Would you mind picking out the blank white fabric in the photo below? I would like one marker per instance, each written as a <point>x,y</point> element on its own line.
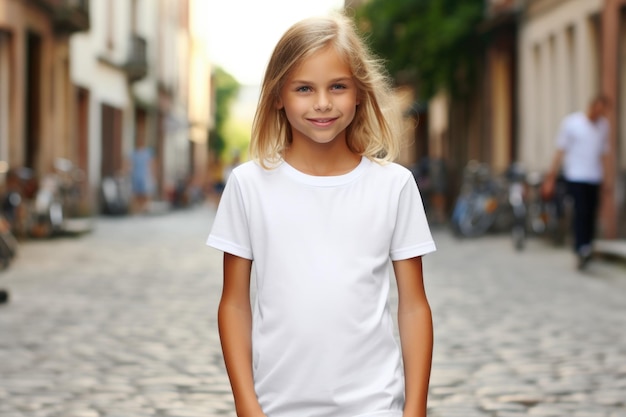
<point>323,343</point>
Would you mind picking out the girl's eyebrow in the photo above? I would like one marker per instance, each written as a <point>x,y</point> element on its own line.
<point>335,80</point>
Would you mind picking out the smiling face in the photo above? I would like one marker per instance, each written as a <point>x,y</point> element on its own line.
<point>319,98</point>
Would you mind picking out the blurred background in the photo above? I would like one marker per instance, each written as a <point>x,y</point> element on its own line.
<point>120,121</point>
<point>86,83</point>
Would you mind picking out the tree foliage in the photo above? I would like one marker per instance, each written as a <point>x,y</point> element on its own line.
<point>226,89</point>
<point>430,44</point>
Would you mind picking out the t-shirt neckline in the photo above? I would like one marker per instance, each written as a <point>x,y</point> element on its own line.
<point>325,181</point>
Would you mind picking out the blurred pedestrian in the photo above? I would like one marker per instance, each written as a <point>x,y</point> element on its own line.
<point>142,176</point>
<point>319,213</point>
<point>582,155</point>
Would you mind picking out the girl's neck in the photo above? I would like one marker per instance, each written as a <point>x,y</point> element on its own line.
<point>329,160</point>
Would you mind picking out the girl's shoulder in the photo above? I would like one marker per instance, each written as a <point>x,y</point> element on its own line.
<point>251,170</point>
<point>391,170</point>
<point>389,175</point>
<point>244,167</point>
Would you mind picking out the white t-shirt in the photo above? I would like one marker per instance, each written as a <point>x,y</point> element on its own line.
<point>323,339</point>
<point>584,143</point>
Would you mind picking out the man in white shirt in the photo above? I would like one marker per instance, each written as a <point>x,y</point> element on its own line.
<point>582,154</point>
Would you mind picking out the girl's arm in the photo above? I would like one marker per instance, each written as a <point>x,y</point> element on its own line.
<point>235,328</point>
<point>416,334</point>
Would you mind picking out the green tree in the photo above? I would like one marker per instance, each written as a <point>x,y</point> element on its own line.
<point>430,44</point>
<point>226,89</point>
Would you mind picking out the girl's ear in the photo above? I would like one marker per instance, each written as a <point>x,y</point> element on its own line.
<point>279,104</point>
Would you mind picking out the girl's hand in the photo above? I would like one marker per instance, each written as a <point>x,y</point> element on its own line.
<point>259,414</point>
<point>410,414</point>
<point>255,412</point>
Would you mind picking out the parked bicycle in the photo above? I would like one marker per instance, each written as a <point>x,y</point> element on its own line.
<point>57,202</point>
<point>490,202</point>
<point>548,215</point>
<point>116,194</point>
<point>479,201</point>
<point>516,186</point>
<point>19,190</point>
<point>8,243</point>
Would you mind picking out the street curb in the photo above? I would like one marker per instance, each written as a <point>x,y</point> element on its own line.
<point>611,248</point>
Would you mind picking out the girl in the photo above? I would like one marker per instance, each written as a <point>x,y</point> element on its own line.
<point>317,215</point>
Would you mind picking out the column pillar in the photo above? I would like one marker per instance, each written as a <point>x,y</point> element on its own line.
<point>610,30</point>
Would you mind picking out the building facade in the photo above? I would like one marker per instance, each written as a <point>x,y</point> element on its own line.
<point>172,55</point>
<point>570,52</point>
<point>560,66</point>
<point>614,86</point>
<point>39,104</point>
<point>500,29</point>
<point>91,80</point>
<point>200,98</point>
<point>134,67</point>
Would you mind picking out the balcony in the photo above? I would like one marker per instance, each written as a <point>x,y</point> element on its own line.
<point>501,14</point>
<point>136,66</point>
<point>497,8</point>
<point>68,16</point>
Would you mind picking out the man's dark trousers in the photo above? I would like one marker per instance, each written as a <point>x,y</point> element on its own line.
<point>586,198</point>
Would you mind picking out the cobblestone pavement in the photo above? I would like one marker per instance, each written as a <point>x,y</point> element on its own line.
<point>122,323</point>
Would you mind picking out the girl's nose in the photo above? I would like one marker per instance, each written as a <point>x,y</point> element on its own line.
<point>323,103</point>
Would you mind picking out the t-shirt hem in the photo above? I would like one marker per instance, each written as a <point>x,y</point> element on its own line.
<point>388,413</point>
<point>413,251</point>
<point>229,247</point>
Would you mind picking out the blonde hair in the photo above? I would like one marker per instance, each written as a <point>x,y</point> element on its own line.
<point>374,131</point>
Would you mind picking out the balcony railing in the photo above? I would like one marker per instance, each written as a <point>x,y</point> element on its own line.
<point>136,65</point>
<point>68,16</point>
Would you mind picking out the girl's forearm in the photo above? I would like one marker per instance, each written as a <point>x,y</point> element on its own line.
<point>235,326</point>
<point>416,336</point>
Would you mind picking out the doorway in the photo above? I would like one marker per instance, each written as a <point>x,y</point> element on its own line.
<point>111,136</point>
<point>32,101</point>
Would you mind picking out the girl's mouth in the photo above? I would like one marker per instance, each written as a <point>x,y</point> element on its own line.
<point>322,122</point>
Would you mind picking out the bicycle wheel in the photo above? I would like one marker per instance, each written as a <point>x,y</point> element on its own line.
<point>479,216</point>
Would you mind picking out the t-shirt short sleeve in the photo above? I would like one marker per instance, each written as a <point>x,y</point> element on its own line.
<point>230,232</point>
<point>411,235</point>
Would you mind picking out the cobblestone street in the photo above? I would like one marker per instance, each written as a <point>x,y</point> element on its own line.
<point>122,323</point>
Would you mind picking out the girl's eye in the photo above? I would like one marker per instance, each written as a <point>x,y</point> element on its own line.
<point>338,87</point>
<point>303,89</point>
